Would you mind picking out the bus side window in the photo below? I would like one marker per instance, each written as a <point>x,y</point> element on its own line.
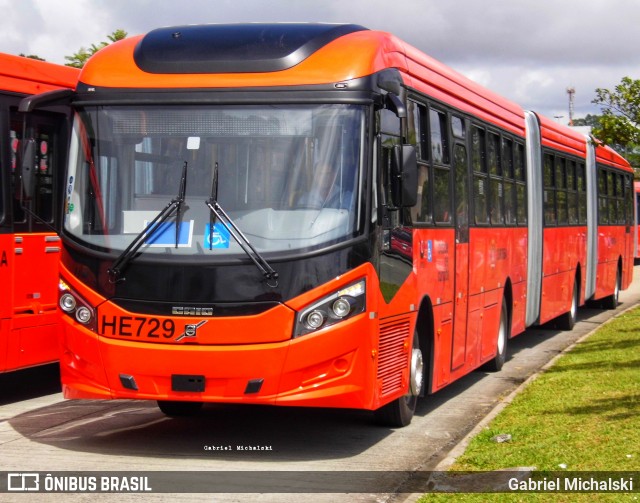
<point>41,203</point>
<point>509,182</point>
<point>629,199</point>
<point>603,215</point>
<point>582,193</point>
<point>521,185</point>
<point>572,192</point>
<point>549,191</point>
<point>439,137</point>
<point>496,188</point>
<point>561,190</point>
<point>480,179</point>
<point>418,135</point>
<point>441,173</point>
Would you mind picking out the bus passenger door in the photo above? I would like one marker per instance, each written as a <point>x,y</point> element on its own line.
<point>36,247</point>
<point>6,294</point>
<point>462,340</point>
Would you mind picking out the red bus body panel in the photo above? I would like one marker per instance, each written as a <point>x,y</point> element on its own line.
<point>29,324</point>
<point>636,212</point>
<point>29,76</point>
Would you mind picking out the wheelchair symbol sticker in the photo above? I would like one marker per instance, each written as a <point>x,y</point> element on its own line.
<point>219,238</point>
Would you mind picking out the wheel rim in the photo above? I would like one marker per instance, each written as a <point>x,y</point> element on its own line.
<point>417,371</point>
<point>574,302</point>
<point>502,336</point>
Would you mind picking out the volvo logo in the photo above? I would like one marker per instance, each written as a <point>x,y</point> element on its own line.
<point>192,311</point>
<point>190,330</point>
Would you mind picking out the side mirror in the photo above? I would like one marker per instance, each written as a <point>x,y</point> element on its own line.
<point>28,168</point>
<point>404,170</point>
<point>396,105</point>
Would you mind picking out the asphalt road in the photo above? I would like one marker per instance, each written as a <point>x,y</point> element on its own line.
<point>322,453</point>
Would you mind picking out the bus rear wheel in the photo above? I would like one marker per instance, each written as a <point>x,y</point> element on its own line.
<point>567,320</point>
<point>497,362</point>
<point>399,413</point>
<point>179,409</point>
<point>611,302</point>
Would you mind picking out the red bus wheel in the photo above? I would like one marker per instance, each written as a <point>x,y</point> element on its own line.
<point>567,320</point>
<point>497,362</point>
<point>399,413</point>
<point>611,302</point>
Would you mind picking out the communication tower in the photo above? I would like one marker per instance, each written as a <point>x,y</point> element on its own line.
<point>571,91</point>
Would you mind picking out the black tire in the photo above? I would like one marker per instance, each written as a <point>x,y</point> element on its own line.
<point>179,409</point>
<point>497,362</point>
<point>567,320</point>
<point>399,413</point>
<point>611,302</point>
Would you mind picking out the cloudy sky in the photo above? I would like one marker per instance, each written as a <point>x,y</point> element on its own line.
<point>530,51</point>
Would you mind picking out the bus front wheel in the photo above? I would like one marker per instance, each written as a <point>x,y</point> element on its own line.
<point>399,413</point>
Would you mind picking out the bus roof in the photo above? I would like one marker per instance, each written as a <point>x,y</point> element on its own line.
<point>218,56</point>
<point>201,58</point>
<point>274,55</point>
<point>560,137</point>
<point>30,76</point>
<point>606,155</point>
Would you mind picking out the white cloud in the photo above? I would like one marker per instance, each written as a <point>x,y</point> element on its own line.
<point>527,50</point>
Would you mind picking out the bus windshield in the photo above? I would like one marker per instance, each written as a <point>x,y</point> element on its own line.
<point>287,176</point>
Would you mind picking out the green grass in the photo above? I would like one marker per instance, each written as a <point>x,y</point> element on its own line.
<point>583,412</point>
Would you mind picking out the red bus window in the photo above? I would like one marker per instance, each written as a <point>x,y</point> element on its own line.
<point>439,137</point>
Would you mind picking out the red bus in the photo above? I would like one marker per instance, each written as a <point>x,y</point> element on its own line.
<point>316,215</point>
<point>636,246</point>
<point>29,248</point>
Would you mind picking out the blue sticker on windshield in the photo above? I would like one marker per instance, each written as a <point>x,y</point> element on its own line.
<point>219,238</point>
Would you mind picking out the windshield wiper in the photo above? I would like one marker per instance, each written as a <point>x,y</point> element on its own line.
<point>115,272</point>
<point>216,212</point>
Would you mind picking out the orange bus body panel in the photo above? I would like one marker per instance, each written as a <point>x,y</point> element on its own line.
<point>329,369</point>
<point>361,53</point>
<point>345,365</point>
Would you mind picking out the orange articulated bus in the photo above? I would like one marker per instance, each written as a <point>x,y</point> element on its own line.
<point>316,215</point>
<point>29,247</point>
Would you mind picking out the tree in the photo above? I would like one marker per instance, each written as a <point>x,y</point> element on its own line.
<point>619,124</point>
<point>79,59</point>
<point>592,121</point>
<point>32,56</point>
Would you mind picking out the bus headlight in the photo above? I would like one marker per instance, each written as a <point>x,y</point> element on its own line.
<point>314,319</point>
<point>67,303</point>
<point>72,304</point>
<point>83,315</point>
<point>332,309</point>
<point>341,307</point>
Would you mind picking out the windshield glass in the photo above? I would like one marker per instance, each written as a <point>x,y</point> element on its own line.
<point>288,177</point>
